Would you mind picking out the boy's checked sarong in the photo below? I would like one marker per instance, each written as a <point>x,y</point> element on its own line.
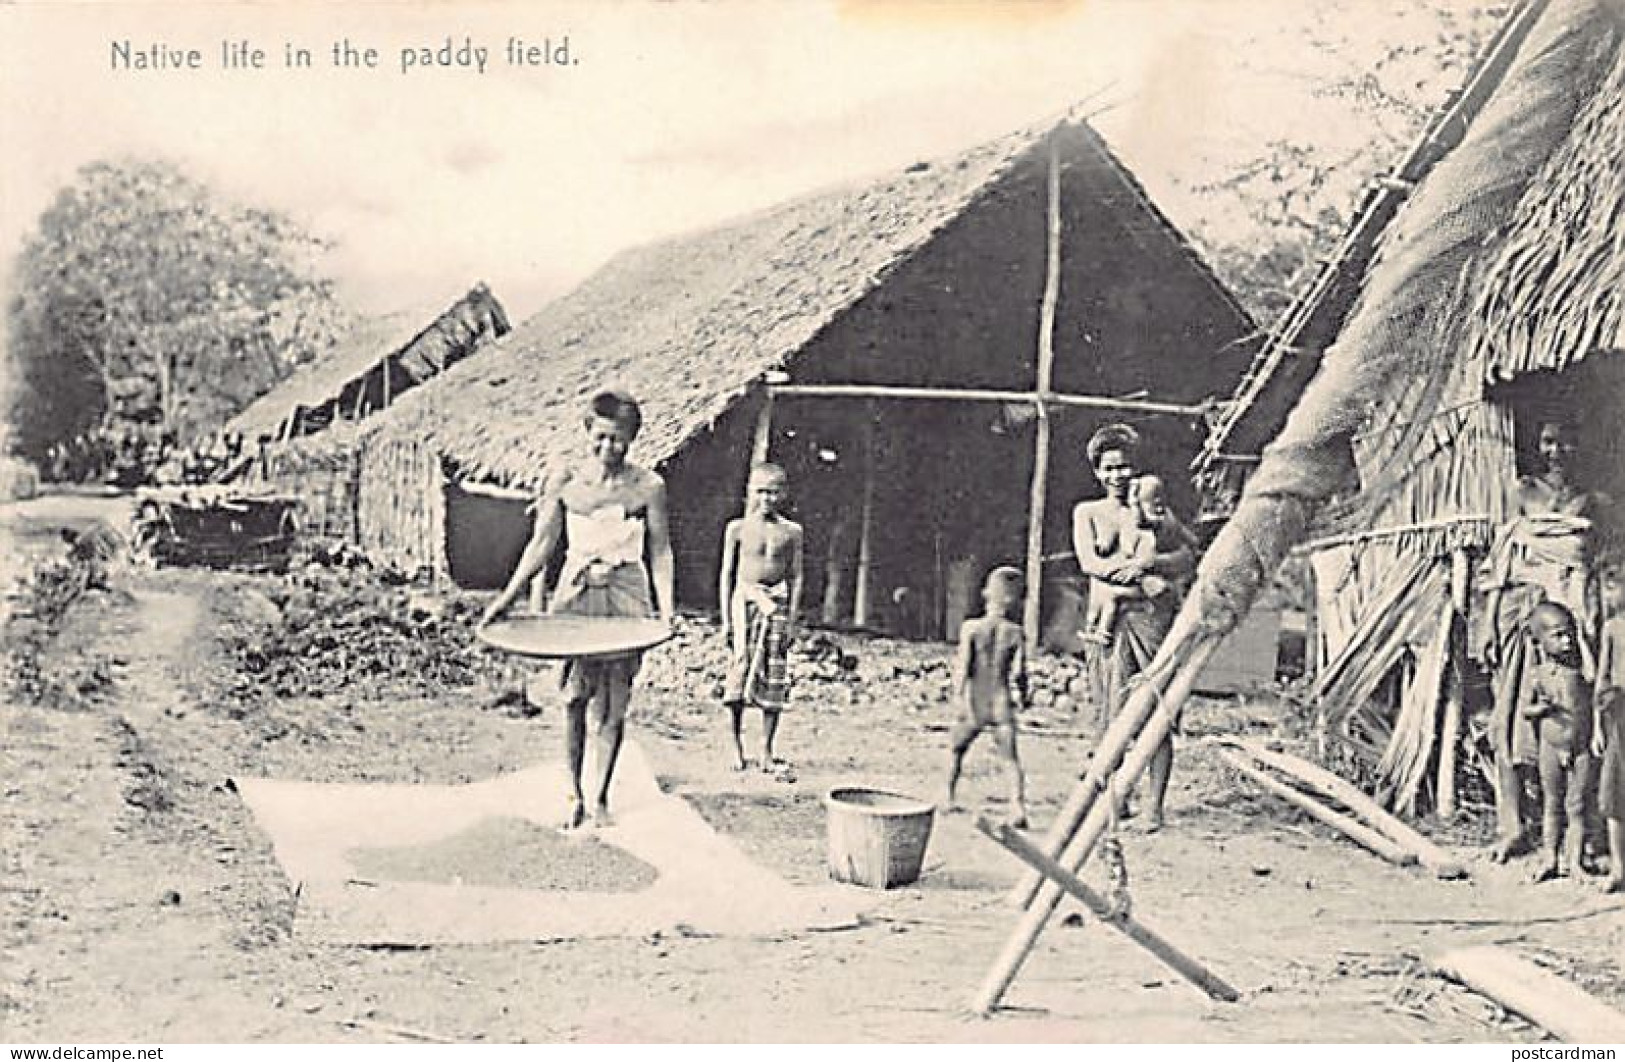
<point>759,672</point>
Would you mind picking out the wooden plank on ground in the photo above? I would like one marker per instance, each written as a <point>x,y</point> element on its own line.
<point>1561,1008</point>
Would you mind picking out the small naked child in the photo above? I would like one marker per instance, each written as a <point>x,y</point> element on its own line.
<point>1557,700</point>
<point>990,678</point>
<point>759,593</point>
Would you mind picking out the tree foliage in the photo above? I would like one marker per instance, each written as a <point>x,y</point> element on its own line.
<point>1362,89</point>
<point>142,297</point>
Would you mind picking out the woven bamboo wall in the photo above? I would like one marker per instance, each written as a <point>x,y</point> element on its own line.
<point>401,514</point>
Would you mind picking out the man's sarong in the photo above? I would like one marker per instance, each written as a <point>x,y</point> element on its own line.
<point>759,672</point>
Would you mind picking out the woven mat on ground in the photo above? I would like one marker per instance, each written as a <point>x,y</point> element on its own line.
<point>331,840</point>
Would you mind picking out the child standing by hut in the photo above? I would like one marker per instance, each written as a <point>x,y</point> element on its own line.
<point>990,678</point>
<point>759,593</point>
<point>1557,702</point>
<point>1608,736</point>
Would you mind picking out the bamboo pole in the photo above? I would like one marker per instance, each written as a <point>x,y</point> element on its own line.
<point>1347,264</point>
<point>1430,855</point>
<point>1383,846</point>
<point>863,592</point>
<point>1168,694</point>
<point>1143,935</point>
<point>762,443</point>
<point>1038,489</point>
<point>1450,738</point>
<point>970,394</point>
<point>1546,999</point>
<point>1104,760</point>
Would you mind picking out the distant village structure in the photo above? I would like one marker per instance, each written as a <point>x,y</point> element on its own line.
<point>306,431</point>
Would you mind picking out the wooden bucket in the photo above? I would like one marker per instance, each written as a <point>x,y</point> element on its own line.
<point>877,839</point>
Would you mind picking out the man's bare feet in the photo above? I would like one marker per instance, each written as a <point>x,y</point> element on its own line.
<point>601,818</point>
<point>574,816</point>
<point>1153,822</point>
<point>775,765</point>
<point>1547,871</point>
<point>739,762</point>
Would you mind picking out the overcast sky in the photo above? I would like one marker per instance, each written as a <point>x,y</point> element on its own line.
<point>675,115</point>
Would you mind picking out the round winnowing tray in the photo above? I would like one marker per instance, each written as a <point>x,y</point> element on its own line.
<point>568,637</point>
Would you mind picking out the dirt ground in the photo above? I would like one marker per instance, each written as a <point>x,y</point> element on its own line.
<point>142,903</point>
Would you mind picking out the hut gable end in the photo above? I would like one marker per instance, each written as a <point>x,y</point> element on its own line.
<point>691,323</point>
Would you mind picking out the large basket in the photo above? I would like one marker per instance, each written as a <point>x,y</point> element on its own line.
<point>877,839</point>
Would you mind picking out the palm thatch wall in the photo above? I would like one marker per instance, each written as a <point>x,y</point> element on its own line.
<point>931,277</point>
<point>1499,276</point>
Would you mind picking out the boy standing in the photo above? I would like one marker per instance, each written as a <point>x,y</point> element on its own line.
<point>759,593</point>
<point>1608,734</point>
<point>1557,700</point>
<point>990,678</point>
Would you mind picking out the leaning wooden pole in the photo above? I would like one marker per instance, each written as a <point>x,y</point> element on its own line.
<point>1142,934</point>
<point>1430,855</point>
<point>1187,654</point>
<point>1038,495</point>
<point>1103,763</point>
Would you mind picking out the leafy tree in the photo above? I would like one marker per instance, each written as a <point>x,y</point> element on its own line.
<point>1275,210</point>
<point>144,298</point>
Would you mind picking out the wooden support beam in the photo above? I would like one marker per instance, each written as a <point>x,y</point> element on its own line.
<point>863,592</point>
<point>971,394</point>
<point>1104,761</point>
<point>1557,1006</point>
<point>1142,934</point>
<point>1167,693</point>
<point>1038,488</point>
<point>1461,574</point>
<point>762,443</point>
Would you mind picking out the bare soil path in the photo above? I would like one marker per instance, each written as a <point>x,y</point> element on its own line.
<point>142,903</point>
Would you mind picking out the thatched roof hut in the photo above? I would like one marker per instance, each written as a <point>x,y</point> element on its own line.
<point>384,358</point>
<point>930,279</point>
<point>1491,303</point>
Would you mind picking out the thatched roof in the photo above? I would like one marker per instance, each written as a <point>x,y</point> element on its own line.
<point>1506,260</point>
<point>1392,393</point>
<point>1555,291</point>
<point>315,382</point>
<point>690,324</point>
<point>372,343</point>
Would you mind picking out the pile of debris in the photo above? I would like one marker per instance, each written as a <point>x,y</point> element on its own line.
<point>836,672</point>
<point>325,631</point>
